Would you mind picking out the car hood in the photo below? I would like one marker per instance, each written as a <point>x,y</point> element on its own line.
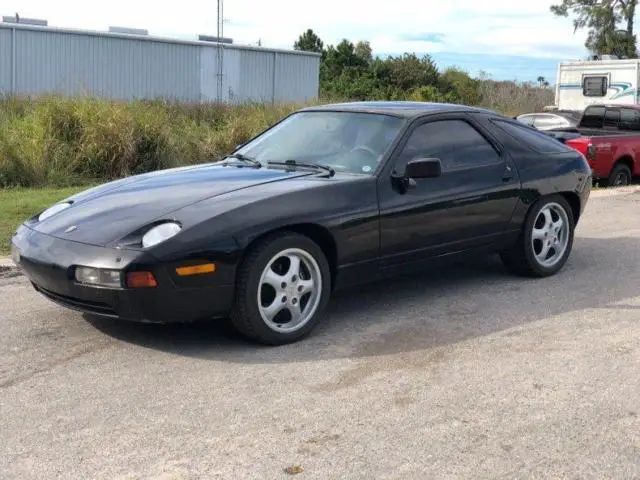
<point>111,211</point>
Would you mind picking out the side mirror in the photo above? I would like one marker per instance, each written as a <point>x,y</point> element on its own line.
<point>423,168</point>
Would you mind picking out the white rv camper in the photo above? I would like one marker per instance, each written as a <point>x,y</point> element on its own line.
<point>606,80</point>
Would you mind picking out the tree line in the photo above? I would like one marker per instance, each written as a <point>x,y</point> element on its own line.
<point>350,71</point>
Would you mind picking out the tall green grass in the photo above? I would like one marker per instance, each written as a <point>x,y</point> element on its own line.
<point>57,141</point>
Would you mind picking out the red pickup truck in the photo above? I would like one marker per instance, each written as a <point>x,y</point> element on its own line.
<point>609,137</point>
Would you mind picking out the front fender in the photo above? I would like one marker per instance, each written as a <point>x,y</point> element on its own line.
<point>347,208</point>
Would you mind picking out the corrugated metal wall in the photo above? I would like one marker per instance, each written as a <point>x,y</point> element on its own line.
<point>209,74</point>
<point>115,66</point>
<point>256,82</point>
<point>296,76</point>
<point>6,51</point>
<point>112,67</point>
<point>232,74</point>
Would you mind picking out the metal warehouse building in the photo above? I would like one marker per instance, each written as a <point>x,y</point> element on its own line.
<point>37,59</point>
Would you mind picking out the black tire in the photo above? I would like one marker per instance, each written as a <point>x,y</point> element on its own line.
<point>620,176</point>
<point>521,258</point>
<point>245,315</point>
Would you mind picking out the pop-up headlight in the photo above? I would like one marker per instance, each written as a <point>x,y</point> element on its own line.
<point>49,212</point>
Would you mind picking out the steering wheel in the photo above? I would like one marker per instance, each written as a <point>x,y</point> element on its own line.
<point>365,165</point>
<point>365,148</point>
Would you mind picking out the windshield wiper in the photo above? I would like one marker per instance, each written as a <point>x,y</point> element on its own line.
<point>244,158</point>
<point>293,163</point>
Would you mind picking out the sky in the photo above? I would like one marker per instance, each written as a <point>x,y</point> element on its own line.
<point>509,39</point>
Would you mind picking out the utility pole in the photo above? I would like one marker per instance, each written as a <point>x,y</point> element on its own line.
<point>220,28</point>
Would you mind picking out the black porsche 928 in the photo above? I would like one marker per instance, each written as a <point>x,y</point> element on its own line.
<point>330,197</point>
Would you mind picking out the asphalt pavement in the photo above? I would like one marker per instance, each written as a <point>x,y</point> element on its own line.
<point>468,372</point>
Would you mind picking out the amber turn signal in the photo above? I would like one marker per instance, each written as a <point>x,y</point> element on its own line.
<point>196,269</point>
<point>141,280</point>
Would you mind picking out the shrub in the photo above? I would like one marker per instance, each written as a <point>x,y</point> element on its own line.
<point>67,141</point>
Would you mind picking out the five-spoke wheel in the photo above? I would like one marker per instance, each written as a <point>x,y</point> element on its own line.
<point>550,235</point>
<point>283,286</point>
<point>290,290</point>
<point>545,241</point>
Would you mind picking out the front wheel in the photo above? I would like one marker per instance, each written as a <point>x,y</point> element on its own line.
<point>546,240</point>
<point>283,288</point>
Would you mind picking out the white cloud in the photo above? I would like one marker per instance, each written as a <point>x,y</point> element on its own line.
<point>469,26</point>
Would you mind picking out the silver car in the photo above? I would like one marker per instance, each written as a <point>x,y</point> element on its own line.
<point>549,121</point>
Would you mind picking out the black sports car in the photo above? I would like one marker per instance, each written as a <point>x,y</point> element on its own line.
<point>330,197</point>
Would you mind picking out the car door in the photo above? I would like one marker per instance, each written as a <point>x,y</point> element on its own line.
<point>468,206</point>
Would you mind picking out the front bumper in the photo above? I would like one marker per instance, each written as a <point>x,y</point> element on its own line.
<point>49,262</point>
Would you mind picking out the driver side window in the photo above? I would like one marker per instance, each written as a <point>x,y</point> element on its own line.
<point>456,143</point>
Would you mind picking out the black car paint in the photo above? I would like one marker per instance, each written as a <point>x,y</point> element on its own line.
<point>367,227</point>
<point>106,215</point>
<point>462,210</point>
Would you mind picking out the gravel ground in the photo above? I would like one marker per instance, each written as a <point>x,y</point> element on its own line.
<point>471,374</point>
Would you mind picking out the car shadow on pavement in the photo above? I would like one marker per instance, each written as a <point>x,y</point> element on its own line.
<point>418,312</point>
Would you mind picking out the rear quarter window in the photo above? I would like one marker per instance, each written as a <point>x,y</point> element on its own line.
<point>532,138</point>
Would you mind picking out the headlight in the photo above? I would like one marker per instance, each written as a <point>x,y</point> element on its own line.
<point>53,210</point>
<point>159,234</point>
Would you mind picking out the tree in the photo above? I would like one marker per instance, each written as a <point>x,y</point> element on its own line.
<point>407,71</point>
<point>363,50</point>
<point>542,82</point>
<point>309,42</point>
<point>340,58</point>
<point>628,9</point>
<point>603,38</point>
<point>601,18</point>
<point>460,86</point>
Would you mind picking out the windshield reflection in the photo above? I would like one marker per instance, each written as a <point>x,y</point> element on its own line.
<point>345,141</point>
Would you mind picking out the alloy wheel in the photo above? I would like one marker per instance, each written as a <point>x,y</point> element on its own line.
<point>550,235</point>
<point>289,290</point>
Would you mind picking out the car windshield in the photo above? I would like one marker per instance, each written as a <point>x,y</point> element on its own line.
<point>345,141</point>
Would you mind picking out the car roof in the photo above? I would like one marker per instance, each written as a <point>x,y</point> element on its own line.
<point>404,109</point>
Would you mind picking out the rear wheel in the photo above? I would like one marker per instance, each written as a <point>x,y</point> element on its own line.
<point>283,288</point>
<point>546,240</point>
<point>620,176</point>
